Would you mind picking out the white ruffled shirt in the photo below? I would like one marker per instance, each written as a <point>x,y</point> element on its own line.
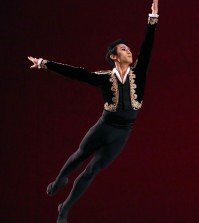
<point>118,75</point>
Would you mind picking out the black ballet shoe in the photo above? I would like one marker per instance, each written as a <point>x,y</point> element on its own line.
<point>62,217</point>
<point>53,187</point>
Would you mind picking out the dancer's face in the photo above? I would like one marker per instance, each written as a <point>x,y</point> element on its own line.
<point>124,55</point>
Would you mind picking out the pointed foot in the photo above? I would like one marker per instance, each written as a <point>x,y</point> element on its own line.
<point>54,186</point>
<point>62,217</point>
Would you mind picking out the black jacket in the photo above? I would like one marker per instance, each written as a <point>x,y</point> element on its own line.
<point>108,81</point>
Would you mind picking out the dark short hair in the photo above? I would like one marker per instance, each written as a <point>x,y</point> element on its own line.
<point>112,49</point>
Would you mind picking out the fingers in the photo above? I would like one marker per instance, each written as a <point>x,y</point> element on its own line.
<point>155,2</point>
<point>30,58</point>
<point>154,7</point>
<point>33,66</point>
<point>34,61</point>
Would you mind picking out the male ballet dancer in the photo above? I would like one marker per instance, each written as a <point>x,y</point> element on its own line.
<point>123,91</point>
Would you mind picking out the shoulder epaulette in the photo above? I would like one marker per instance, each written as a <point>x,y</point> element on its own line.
<point>103,72</point>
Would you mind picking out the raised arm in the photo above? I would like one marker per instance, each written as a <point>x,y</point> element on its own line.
<point>147,45</point>
<point>146,49</point>
<point>67,70</point>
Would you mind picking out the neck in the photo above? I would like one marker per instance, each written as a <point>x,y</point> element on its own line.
<point>122,68</point>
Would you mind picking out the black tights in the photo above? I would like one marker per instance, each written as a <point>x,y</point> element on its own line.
<point>106,142</point>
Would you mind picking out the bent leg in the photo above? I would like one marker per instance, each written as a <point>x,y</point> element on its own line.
<point>73,162</point>
<point>104,156</point>
<point>80,185</point>
<point>90,143</point>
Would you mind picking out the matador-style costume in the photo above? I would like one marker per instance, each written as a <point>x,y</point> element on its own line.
<point>107,138</point>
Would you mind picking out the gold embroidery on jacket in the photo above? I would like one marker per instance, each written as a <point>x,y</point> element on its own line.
<point>103,72</point>
<point>112,107</point>
<point>135,104</point>
<point>152,20</point>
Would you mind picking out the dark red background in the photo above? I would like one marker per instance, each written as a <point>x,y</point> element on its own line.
<point>44,116</point>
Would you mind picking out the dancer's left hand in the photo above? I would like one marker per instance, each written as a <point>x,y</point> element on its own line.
<point>35,62</point>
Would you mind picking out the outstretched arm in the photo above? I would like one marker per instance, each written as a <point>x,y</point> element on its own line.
<point>67,70</point>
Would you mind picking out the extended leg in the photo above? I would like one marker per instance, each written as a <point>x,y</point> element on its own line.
<point>74,161</point>
<point>89,144</point>
<point>101,160</point>
<point>80,185</point>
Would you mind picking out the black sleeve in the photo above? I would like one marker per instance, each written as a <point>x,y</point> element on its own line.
<point>141,67</point>
<point>72,72</point>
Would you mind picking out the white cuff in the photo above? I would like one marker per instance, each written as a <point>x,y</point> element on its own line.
<point>153,15</point>
<point>39,62</point>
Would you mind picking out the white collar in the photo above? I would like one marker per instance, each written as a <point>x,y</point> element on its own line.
<point>118,74</point>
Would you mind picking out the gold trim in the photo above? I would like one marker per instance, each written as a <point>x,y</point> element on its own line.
<point>152,20</point>
<point>103,72</point>
<point>43,64</point>
<point>112,107</point>
<point>135,104</point>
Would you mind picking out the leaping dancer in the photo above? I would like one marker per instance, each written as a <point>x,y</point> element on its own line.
<point>123,92</point>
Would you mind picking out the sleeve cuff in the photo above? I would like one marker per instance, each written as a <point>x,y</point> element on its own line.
<point>42,63</point>
<point>153,15</point>
<point>152,20</point>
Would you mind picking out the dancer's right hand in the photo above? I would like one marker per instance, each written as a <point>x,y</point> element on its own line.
<point>34,61</point>
<point>154,7</point>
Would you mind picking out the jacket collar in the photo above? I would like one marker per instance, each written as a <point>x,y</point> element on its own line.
<point>115,71</point>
